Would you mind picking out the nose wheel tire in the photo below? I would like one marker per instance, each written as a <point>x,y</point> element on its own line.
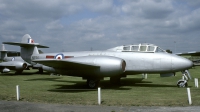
<point>182,83</point>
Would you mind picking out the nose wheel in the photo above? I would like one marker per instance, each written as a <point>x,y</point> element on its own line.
<point>182,83</point>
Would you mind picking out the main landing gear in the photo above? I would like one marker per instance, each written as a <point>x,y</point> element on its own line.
<point>92,83</point>
<point>183,82</point>
<point>18,72</point>
<point>115,80</point>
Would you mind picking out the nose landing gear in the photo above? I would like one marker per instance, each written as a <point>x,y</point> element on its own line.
<point>182,82</point>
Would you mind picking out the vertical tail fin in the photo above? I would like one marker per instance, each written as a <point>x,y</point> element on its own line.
<point>3,47</point>
<point>3,52</point>
<point>27,39</point>
<point>28,47</point>
<point>28,50</point>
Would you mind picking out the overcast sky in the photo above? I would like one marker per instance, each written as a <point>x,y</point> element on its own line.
<point>76,25</point>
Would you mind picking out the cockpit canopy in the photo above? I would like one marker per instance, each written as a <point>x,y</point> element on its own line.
<point>143,47</point>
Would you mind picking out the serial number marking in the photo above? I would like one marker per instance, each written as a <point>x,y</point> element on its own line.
<point>35,57</point>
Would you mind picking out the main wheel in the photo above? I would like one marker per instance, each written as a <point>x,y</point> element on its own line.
<point>40,70</point>
<point>18,72</point>
<point>115,80</point>
<point>182,83</point>
<point>92,83</point>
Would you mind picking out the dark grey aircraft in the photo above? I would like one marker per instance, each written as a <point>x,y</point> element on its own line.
<point>115,63</point>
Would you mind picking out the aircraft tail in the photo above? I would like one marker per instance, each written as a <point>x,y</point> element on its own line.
<point>3,52</point>
<point>28,47</point>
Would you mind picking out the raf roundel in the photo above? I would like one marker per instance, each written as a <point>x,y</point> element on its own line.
<point>13,59</point>
<point>59,56</point>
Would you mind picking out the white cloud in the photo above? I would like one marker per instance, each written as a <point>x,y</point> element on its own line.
<point>149,9</point>
<point>54,25</point>
<point>81,24</point>
<point>191,21</point>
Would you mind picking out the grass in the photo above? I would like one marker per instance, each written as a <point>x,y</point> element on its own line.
<point>154,91</point>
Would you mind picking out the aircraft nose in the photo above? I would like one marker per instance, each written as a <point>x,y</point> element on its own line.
<point>180,63</point>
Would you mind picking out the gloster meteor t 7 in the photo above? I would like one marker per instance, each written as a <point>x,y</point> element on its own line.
<point>11,63</point>
<point>15,63</point>
<point>115,63</point>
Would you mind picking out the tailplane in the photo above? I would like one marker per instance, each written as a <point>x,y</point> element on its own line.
<point>28,47</point>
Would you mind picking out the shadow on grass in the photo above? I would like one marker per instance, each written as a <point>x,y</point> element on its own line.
<point>77,87</point>
<point>46,79</point>
<point>54,79</point>
<point>126,84</point>
<point>26,72</point>
<point>135,82</point>
<point>80,87</point>
<point>13,74</point>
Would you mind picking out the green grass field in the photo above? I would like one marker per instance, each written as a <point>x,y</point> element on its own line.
<point>154,91</point>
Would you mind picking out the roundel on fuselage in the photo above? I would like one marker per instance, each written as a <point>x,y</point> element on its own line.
<point>59,56</point>
<point>13,59</point>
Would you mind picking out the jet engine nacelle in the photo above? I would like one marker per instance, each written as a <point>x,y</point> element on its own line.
<point>101,66</point>
<point>20,66</point>
<point>108,66</point>
<point>15,65</point>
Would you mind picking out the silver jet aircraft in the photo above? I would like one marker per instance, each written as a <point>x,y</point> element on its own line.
<point>115,63</point>
<point>11,63</point>
<point>15,63</point>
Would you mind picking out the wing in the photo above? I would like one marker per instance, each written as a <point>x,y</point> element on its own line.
<point>194,53</point>
<point>66,64</point>
<point>12,65</point>
<point>25,44</point>
<point>6,64</point>
<point>196,61</point>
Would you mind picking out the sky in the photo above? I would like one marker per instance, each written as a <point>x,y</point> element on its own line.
<point>82,25</point>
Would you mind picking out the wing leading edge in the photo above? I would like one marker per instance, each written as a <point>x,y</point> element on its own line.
<point>66,64</point>
<point>25,44</point>
<point>193,53</point>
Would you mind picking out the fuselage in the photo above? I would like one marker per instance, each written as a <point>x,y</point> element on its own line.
<point>136,62</point>
<point>16,58</point>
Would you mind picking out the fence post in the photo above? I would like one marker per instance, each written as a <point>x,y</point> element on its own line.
<point>99,95</point>
<point>196,82</point>
<point>189,96</point>
<point>18,93</point>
